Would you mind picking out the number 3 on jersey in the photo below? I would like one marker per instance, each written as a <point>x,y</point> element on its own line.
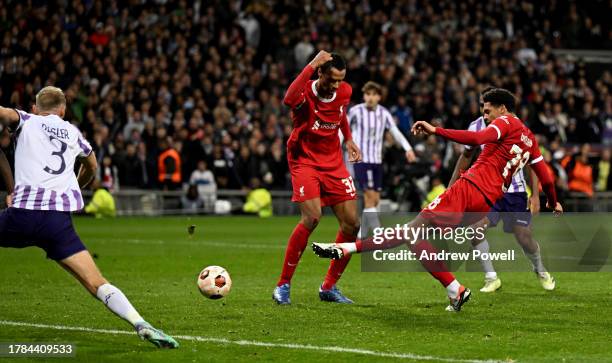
<point>350,185</point>
<point>59,154</point>
<point>521,157</point>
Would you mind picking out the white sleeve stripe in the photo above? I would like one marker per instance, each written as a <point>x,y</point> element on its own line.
<point>537,160</point>
<point>498,131</point>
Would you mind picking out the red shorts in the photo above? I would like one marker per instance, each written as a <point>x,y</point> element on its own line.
<point>461,204</point>
<point>332,186</point>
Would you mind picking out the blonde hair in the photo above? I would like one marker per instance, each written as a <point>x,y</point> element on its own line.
<point>50,98</point>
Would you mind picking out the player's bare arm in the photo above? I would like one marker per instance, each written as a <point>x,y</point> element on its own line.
<point>9,117</point>
<point>534,200</point>
<point>89,165</point>
<point>462,164</point>
<point>423,128</point>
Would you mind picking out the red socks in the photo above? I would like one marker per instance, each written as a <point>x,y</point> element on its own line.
<point>437,269</point>
<point>296,245</point>
<point>337,267</point>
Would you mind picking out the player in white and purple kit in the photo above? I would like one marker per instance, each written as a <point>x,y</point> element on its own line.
<point>369,121</point>
<point>514,209</point>
<point>47,190</point>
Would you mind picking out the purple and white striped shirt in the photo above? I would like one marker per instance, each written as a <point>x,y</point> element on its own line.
<point>46,150</point>
<point>368,128</point>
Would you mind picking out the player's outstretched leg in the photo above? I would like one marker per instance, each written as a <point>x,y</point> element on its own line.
<point>457,293</point>
<point>336,251</point>
<point>531,248</point>
<point>82,266</point>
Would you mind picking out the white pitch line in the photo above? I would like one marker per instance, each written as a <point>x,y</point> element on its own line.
<point>333,349</point>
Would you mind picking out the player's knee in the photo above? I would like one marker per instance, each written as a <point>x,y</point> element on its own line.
<point>350,226</point>
<point>311,220</point>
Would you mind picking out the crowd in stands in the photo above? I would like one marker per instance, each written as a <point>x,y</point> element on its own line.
<point>174,92</point>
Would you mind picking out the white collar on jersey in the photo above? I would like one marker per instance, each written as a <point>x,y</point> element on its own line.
<point>326,100</point>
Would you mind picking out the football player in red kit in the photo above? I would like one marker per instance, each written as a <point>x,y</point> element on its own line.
<point>318,174</point>
<point>510,145</point>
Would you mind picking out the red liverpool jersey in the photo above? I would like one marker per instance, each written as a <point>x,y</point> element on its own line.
<point>316,122</point>
<point>500,159</point>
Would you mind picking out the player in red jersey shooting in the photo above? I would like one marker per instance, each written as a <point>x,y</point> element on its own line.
<point>318,174</point>
<point>510,145</point>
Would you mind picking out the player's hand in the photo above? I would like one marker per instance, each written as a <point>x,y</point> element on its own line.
<point>410,156</point>
<point>557,211</point>
<point>423,128</point>
<point>534,204</point>
<point>354,153</point>
<point>9,200</point>
<point>320,59</point>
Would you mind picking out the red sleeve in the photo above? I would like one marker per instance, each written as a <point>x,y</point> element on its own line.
<point>489,134</point>
<point>295,93</point>
<point>344,124</point>
<point>547,180</point>
<point>345,128</point>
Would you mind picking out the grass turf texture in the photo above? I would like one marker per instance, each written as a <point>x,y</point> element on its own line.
<point>155,263</point>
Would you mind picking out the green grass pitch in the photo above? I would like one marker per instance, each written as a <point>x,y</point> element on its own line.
<point>155,263</point>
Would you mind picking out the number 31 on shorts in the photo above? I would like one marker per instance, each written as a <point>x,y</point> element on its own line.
<point>350,185</point>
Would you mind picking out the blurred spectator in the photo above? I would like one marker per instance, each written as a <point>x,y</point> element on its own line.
<point>191,201</point>
<point>258,201</point>
<point>204,180</point>
<point>437,188</point>
<point>102,204</point>
<point>580,172</point>
<point>131,168</point>
<point>169,167</point>
<point>208,77</point>
<point>108,175</point>
<point>602,173</point>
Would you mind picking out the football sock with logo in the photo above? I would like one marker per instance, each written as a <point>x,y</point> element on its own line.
<point>436,268</point>
<point>118,303</point>
<point>296,245</point>
<point>486,263</point>
<point>337,267</point>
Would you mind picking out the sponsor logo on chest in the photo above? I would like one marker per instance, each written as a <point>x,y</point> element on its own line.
<point>318,124</point>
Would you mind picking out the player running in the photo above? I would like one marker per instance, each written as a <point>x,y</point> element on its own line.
<point>509,146</point>
<point>318,174</point>
<point>46,191</point>
<point>369,121</point>
<point>513,209</point>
